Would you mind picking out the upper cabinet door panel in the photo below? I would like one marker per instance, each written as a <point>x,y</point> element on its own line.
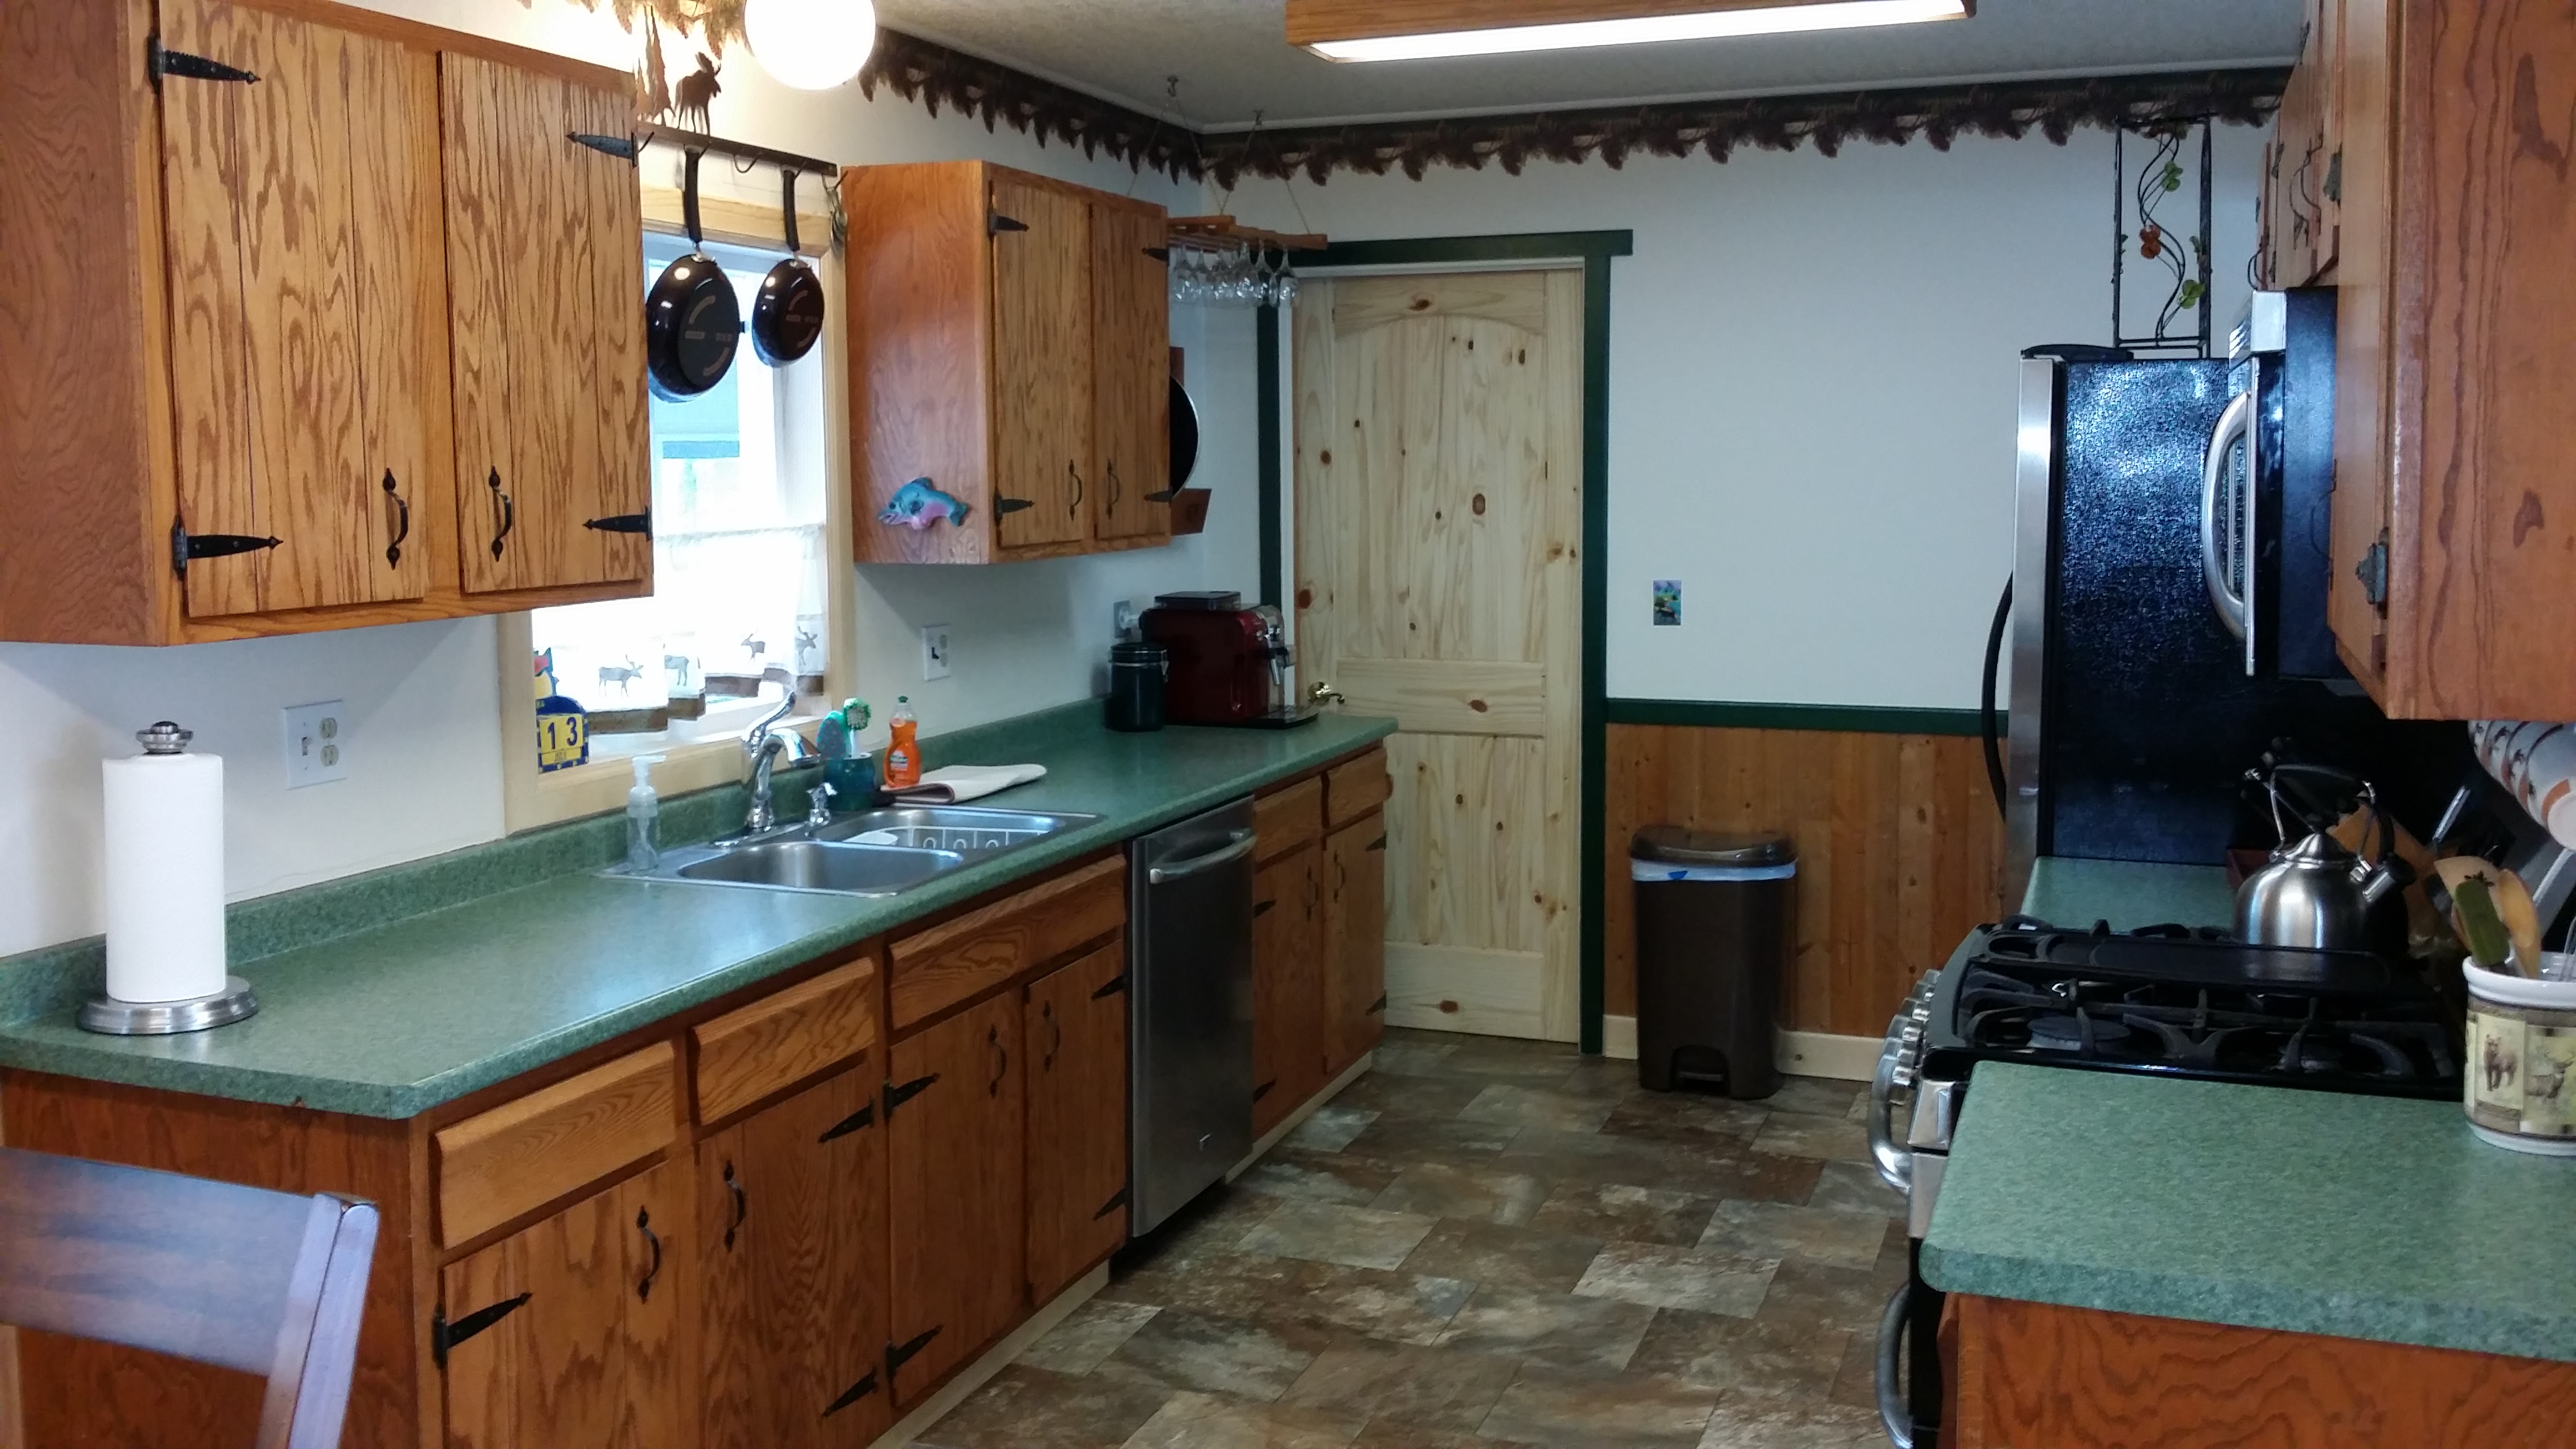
<point>1041,365</point>
<point>545,278</point>
<point>302,256</point>
<point>1131,371</point>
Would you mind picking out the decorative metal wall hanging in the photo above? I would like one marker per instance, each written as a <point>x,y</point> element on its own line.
<point>2177,263</point>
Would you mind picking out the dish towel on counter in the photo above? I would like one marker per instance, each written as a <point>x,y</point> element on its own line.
<point>956,784</point>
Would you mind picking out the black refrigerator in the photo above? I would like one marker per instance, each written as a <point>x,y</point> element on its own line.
<point>2167,625</point>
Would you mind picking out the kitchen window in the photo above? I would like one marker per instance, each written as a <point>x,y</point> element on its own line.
<point>742,596</point>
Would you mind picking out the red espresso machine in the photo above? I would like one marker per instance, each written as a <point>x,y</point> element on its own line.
<point>1229,663</point>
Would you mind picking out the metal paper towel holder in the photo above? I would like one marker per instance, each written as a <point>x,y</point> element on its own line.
<point>112,1017</point>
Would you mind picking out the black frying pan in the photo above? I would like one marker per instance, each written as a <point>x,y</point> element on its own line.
<point>692,323</point>
<point>1185,442</point>
<point>787,316</point>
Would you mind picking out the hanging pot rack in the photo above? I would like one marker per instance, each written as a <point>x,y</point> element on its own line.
<point>681,139</point>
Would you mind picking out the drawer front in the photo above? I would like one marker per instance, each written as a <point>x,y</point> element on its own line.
<point>780,1040</point>
<point>1355,788</point>
<point>982,949</point>
<point>1289,818</point>
<point>524,1154</point>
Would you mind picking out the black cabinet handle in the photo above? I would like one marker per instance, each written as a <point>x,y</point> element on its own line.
<point>741,1206</point>
<point>1115,488</point>
<point>644,1225</point>
<point>444,1335</point>
<point>1076,474</point>
<point>509,512</point>
<point>1055,1042</point>
<point>402,520</point>
<point>1001,1060</point>
<point>852,1394</point>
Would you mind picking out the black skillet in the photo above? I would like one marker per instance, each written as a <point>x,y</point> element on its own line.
<point>692,323</point>
<point>787,316</point>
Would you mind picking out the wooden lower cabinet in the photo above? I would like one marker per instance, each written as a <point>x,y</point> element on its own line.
<point>2050,1377</point>
<point>1288,1051</point>
<point>956,1179</point>
<point>1075,1025</point>
<point>1354,938</point>
<point>595,1350</point>
<point>792,1258</point>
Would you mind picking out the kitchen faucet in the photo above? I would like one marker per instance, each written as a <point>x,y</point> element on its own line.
<point>764,745</point>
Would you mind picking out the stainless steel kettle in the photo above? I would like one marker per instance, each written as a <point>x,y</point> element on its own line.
<point>2316,894</point>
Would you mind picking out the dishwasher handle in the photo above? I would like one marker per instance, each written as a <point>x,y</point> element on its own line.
<point>1236,848</point>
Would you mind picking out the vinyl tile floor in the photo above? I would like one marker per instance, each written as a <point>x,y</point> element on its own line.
<point>1486,1242</point>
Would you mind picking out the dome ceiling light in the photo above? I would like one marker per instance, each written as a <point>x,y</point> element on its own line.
<point>812,45</point>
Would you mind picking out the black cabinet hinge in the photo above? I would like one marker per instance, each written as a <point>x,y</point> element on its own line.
<point>1264,1089</point>
<point>2373,573</point>
<point>1378,1005</point>
<point>444,1335</point>
<point>623,523</point>
<point>1377,844</point>
<point>621,147</point>
<point>1160,254</point>
<point>159,61</point>
<point>896,1095</point>
<point>899,1354</point>
<point>1116,1201</point>
<point>1110,990</point>
<point>1162,495</point>
<point>1012,505</point>
<point>852,1394</point>
<point>1263,908</point>
<point>995,224</point>
<point>859,1120</point>
<point>185,546</point>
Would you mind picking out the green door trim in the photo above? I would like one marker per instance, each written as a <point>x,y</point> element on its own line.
<point>1593,249</point>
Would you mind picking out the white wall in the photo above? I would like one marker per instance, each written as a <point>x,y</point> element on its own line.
<point>425,772</point>
<point>1812,386</point>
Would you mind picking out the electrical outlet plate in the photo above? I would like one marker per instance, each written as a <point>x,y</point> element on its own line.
<point>934,651</point>
<point>317,744</point>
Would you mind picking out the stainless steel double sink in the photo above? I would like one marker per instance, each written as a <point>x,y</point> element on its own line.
<point>882,852</point>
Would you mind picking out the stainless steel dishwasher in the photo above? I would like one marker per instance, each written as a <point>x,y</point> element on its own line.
<point>1189,1040</point>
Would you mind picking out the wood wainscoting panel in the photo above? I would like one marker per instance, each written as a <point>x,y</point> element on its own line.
<point>1900,851</point>
<point>2042,1375</point>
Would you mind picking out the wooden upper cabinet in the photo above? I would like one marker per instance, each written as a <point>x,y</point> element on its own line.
<point>1132,345</point>
<point>571,1330</point>
<point>1074,1024</point>
<point>302,252</point>
<point>1000,328</point>
<point>2454,518</point>
<point>1042,383</point>
<point>546,284</point>
<point>252,335</point>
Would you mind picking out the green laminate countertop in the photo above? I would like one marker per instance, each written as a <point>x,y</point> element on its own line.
<point>2065,891</point>
<point>414,1007</point>
<point>2261,1207</point>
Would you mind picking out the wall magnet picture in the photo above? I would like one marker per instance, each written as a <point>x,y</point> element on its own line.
<point>1668,602</point>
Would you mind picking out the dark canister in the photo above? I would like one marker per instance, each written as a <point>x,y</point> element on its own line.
<point>1136,673</point>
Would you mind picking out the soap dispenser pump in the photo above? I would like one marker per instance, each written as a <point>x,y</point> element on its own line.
<point>643,809</point>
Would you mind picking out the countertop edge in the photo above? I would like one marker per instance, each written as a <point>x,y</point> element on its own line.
<point>2283,1310</point>
<point>880,917</point>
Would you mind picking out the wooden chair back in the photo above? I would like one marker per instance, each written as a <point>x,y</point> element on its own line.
<point>266,1282</point>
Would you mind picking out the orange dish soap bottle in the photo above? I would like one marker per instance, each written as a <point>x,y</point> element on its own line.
<point>903,752</point>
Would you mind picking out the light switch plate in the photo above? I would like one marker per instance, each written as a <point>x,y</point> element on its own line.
<point>934,651</point>
<point>317,744</point>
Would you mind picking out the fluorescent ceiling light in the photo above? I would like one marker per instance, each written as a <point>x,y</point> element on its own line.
<point>1644,29</point>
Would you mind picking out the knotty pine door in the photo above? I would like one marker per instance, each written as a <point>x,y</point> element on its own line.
<point>1042,382</point>
<point>1439,512</point>
<point>545,263</point>
<point>596,1355</point>
<point>1075,1022</point>
<point>793,1328</point>
<point>302,247</point>
<point>957,1181</point>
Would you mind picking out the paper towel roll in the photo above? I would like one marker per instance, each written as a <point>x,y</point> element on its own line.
<point>165,877</point>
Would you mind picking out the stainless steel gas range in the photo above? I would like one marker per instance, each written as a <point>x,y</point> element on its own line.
<point>2166,1001</point>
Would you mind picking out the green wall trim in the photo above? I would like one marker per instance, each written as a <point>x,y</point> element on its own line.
<point>1536,246</point>
<point>1840,718</point>
<point>1594,249</point>
<point>1265,344</point>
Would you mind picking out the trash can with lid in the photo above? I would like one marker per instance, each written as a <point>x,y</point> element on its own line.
<point>1713,937</point>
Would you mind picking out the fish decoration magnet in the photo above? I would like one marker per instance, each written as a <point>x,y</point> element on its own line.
<point>917,505</point>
